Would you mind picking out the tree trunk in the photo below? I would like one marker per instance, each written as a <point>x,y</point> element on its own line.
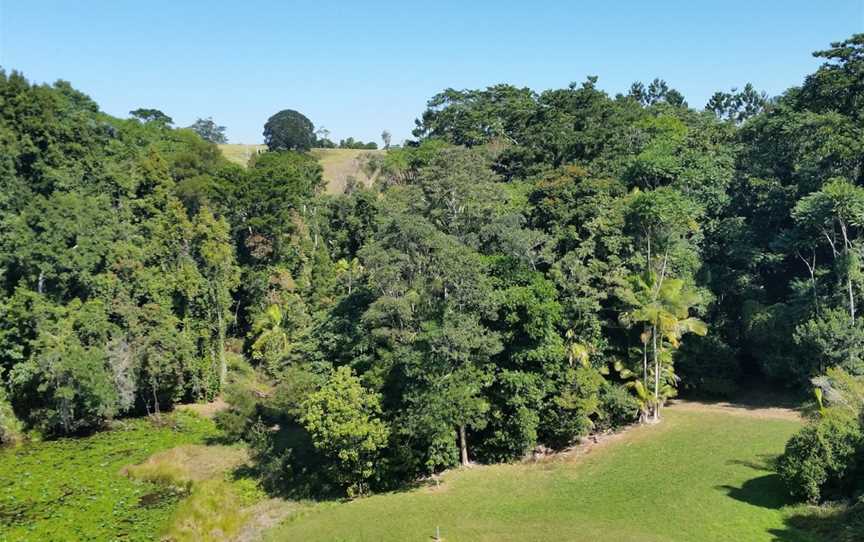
<point>645,365</point>
<point>656,414</point>
<point>851,300</point>
<point>223,363</point>
<point>463,446</point>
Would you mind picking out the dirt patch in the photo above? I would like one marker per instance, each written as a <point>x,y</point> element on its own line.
<point>205,410</point>
<point>265,515</point>
<point>762,412</point>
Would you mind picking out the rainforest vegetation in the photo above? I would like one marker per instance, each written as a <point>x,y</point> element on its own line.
<point>532,268</point>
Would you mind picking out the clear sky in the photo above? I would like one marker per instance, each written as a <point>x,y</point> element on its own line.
<point>357,68</point>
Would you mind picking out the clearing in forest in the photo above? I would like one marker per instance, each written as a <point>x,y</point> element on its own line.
<point>703,474</point>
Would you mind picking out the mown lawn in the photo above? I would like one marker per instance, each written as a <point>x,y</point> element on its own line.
<point>72,489</point>
<point>701,475</point>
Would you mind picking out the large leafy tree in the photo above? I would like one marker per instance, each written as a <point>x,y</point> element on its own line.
<point>343,419</point>
<point>289,130</point>
<point>209,130</point>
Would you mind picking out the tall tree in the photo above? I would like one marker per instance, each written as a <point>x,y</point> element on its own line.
<point>209,130</point>
<point>289,130</point>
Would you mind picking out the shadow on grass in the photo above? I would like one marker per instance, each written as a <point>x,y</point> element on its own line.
<point>763,462</point>
<point>764,491</point>
<point>831,523</point>
<point>756,395</point>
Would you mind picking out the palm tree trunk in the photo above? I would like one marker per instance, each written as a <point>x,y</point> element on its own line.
<point>645,364</point>
<point>656,414</point>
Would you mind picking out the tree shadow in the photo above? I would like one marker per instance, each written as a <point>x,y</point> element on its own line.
<point>765,491</point>
<point>763,462</point>
<point>755,395</point>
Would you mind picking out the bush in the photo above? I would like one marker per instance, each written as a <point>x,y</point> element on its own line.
<point>568,415</point>
<point>829,341</point>
<point>343,421</point>
<point>10,426</point>
<point>823,459</point>
<point>618,407</point>
<point>236,419</point>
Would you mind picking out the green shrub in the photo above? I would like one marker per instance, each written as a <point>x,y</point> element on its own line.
<point>10,426</point>
<point>821,460</point>
<point>513,417</point>
<point>235,420</point>
<point>568,415</point>
<point>618,407</point>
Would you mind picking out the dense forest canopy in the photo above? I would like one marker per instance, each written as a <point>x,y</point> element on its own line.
<point>534,267</point>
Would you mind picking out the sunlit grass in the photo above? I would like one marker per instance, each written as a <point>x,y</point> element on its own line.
<point>698,476</point>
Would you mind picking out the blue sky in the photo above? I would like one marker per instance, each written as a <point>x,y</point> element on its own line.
<point>357,68</point>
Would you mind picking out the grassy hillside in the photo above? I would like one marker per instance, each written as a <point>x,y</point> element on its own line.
<point>703,474</point>
<point>240,153</point>
<point>338,164</point>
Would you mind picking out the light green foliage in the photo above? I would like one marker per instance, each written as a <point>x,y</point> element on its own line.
<point>343,420</point>
<point>10,426</point>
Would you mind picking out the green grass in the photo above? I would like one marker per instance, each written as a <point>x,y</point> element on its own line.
<point>73,489</point>
<point>698,476</point>
<point>213,512</point>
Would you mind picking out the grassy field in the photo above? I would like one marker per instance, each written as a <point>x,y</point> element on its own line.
<point>76,489</point>
<point>702,475</point>
<point>240,153</point>
<point>338,164</point>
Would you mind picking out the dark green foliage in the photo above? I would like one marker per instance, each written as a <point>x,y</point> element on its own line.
<point>709,365</point>
<point>822,461</point>
<point>350,143</point>
<point>289,130</point>
<point>148,115</point>
<point>115,297</point>
<point>618,408</point>
<point>825,459</point>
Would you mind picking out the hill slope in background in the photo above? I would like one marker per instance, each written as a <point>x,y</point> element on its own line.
<point>339,164</point>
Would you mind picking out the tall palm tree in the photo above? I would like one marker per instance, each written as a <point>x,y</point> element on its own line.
<point>271,338</point>
<point>662,306</point>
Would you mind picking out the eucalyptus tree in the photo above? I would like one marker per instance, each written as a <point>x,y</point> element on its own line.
<point>835,215</point>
